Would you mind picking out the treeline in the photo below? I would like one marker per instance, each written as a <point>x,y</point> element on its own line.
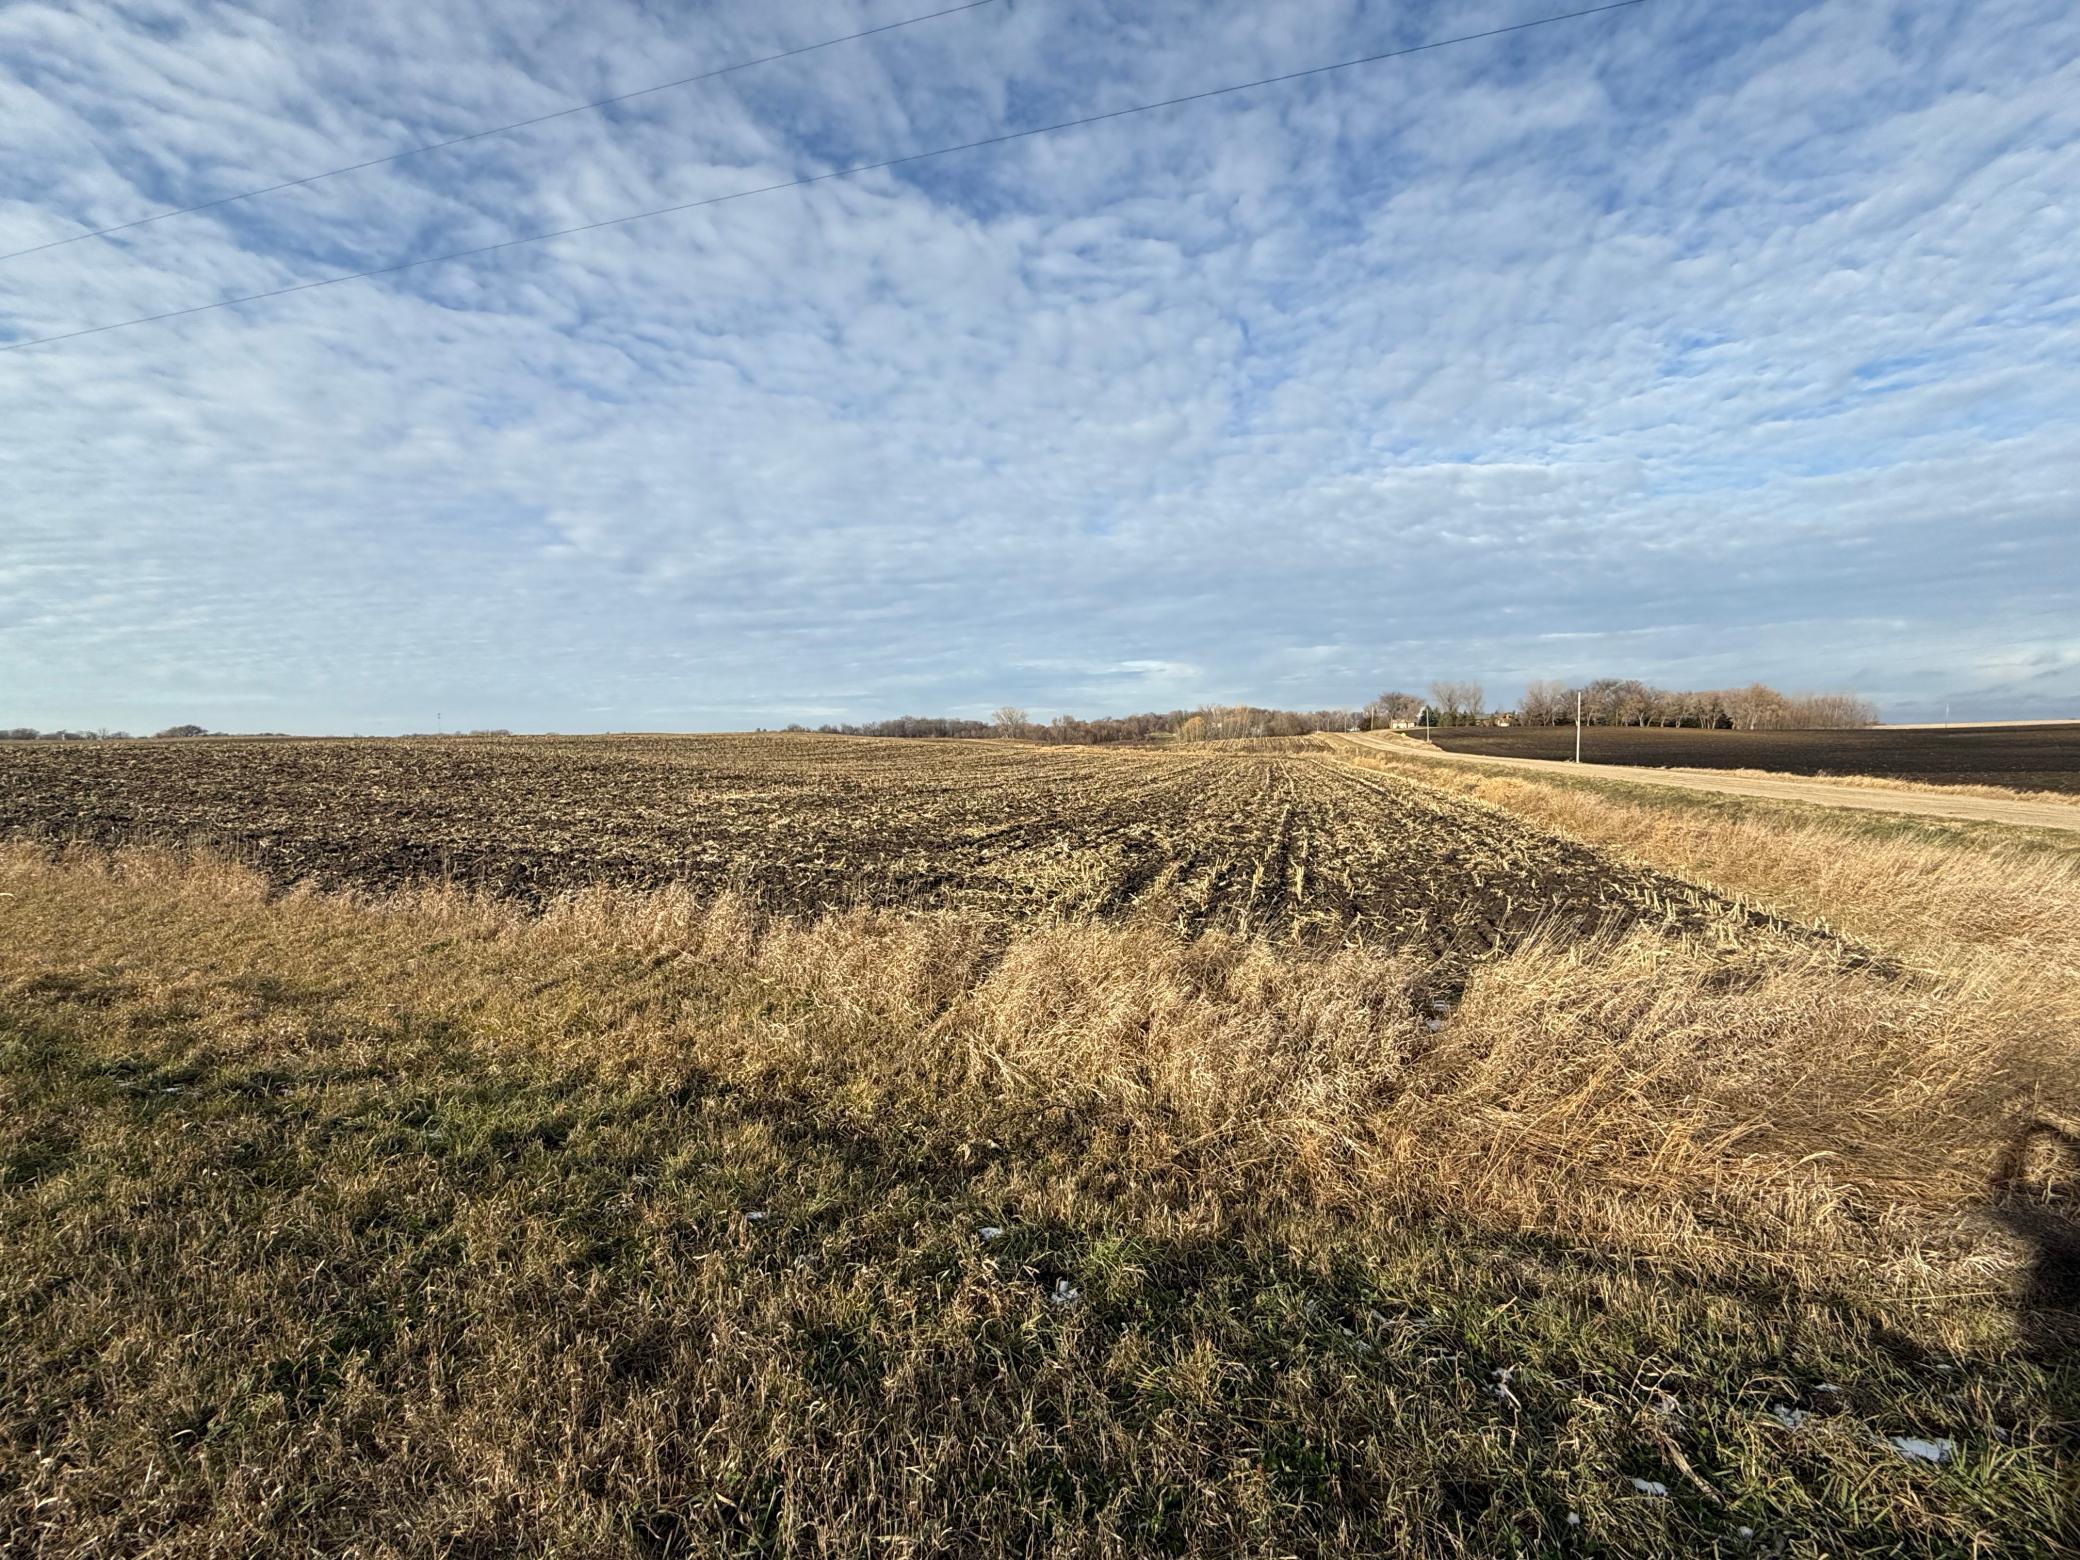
<point>100,735</point>
<point>904,726</point>
<point>103,734</point>
<point>1624,701</point>
<point>1606,701</point>
<point>1213,722</point>
<point>31,734</point>
<point>1205,724</point>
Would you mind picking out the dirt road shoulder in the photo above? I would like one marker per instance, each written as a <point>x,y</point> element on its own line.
<point>1792,788</point>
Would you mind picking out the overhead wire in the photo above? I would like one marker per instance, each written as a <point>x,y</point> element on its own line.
<point>491,130</point>
<point>805,180</point>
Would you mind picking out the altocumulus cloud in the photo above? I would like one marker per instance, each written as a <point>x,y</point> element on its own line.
<point>1690,342</point>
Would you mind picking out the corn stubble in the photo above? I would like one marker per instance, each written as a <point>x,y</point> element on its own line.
<point>651,1221</point>
<point>1281,842</point>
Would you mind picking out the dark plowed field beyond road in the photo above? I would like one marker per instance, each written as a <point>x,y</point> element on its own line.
<point>2022,758</point>
<point>1286,844</point>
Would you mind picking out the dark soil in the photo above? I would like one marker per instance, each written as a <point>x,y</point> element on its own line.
<point>1286,845</point>
<point>2022,758</point>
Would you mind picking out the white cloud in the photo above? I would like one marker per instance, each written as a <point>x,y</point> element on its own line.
<point>1737,342</point>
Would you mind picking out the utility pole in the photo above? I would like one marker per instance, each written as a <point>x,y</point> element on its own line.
<point>1578,725</point>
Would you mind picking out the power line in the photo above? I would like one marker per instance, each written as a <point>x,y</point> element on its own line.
<point>518,124</point>
<point>819,178</point>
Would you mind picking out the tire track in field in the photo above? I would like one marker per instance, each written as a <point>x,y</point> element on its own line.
<point>1519,879</point>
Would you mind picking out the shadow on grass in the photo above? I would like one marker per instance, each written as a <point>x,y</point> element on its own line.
<point>2036,1197</point>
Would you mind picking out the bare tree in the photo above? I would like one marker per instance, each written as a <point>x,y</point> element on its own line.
<point>1600,700</point>
<point>1458,703</point>
<point>1615,701</point>
<point>1546,703</point>
<point>1394,706</point>
<point>1010,721</point>
<point>1234,720</point>
<point>1634,699</point>
<point>1831,711</point>
<point>1756,707</point>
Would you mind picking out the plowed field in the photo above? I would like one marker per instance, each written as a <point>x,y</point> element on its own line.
<point>1287,844</point>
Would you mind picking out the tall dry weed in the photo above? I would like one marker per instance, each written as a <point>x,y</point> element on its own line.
<point>1619,1088</point>
<point>676,1211</point>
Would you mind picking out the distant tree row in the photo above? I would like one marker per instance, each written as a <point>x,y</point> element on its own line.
<point>1214,722</point>
<point>1607,701</point>
<point>907,726</point>
<point>1207,723</point>
<point>31,734</point>
<point>1623,701</point>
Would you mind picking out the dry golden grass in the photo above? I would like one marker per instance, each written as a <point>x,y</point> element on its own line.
<point>645,1226</point>
<point>1998,793</point>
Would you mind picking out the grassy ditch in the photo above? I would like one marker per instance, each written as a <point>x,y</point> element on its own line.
<point>644,1226</point>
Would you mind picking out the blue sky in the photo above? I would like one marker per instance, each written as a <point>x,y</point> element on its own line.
<point>1693,342</point>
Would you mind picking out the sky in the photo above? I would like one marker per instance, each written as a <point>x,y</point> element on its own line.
<point>1689,342</point>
